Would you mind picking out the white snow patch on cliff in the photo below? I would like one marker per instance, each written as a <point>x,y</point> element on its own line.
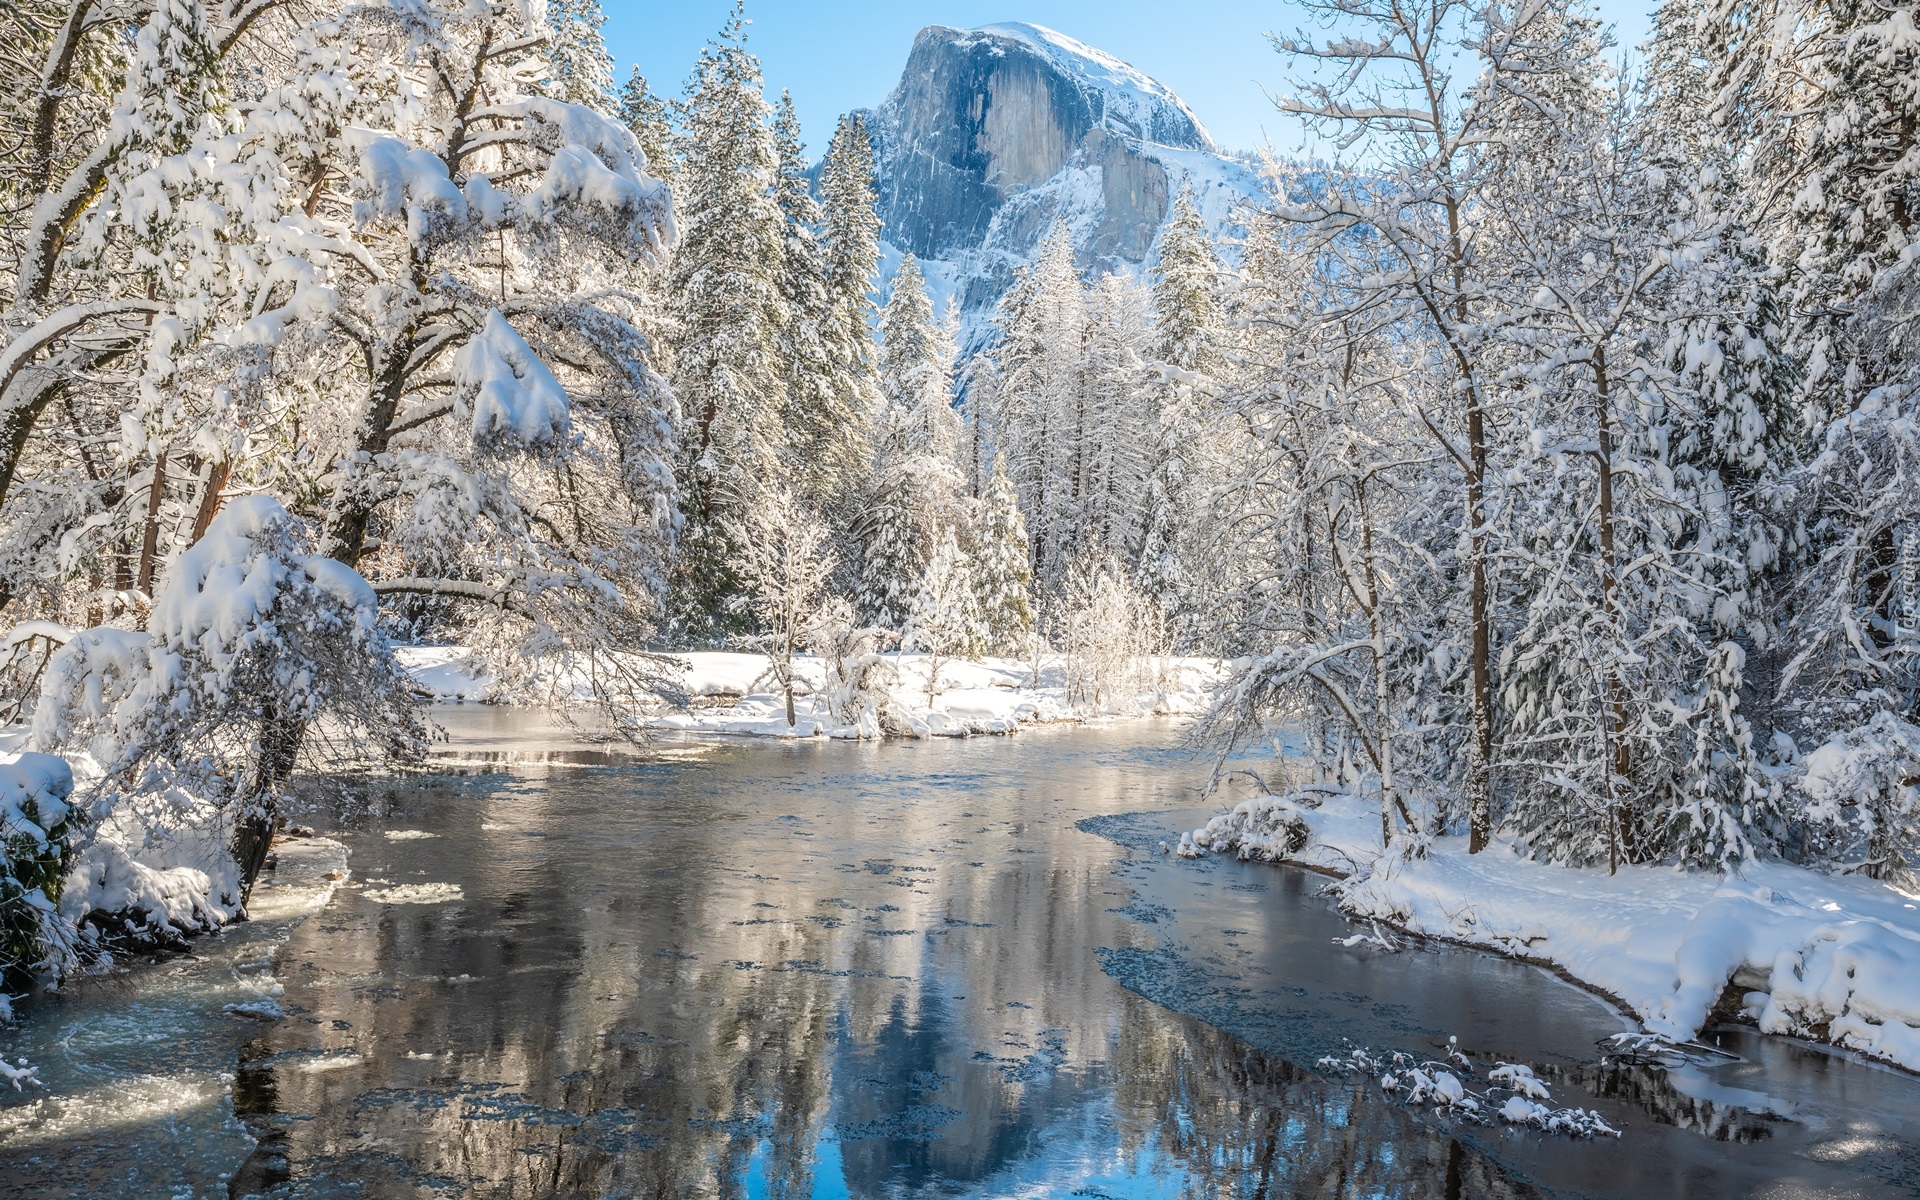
<point>1130,94</point>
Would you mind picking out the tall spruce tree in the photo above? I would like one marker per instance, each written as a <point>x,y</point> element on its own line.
<point>893,536</point>
<point>730,313</point>
<point>916,371</point>
<point>1033,408</point>
<point>1002,566</point>
<point>579,69</point>
<point>811,408</point>
<point>915,494</point>
<point>850,237</point>
<point>1187,325</point>
<point>650,119</point>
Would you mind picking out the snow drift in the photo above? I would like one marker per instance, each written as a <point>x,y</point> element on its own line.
<point>1830,957</point>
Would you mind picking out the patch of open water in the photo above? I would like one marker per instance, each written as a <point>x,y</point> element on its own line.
<point>920,969</point>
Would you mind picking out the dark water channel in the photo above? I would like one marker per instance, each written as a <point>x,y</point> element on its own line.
<point>953,968</point>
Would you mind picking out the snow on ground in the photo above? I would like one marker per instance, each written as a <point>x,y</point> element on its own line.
<point>450,673</point>
<point>1828,957</point>
<point>737,694</point>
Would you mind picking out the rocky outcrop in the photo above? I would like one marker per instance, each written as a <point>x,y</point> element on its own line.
<point>995,133</point>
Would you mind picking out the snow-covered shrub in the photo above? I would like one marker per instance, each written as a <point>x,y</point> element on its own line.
<point>784,564</point>
<point>1264,829</point>
<point>158,867</point>
<point>1104,627</point>
<point>944,621</point>
<point>859,683</point>
<point>1444,1085</point>
<point>1861,786</point>
<point>37,828</point>
<point>255,650</point>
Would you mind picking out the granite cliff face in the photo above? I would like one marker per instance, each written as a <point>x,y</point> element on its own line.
<point>994,133</point>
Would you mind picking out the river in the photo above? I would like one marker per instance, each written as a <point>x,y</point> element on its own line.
<point>956,968</point>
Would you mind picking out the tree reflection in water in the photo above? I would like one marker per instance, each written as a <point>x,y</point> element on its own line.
<point>946,969</point>
<point>724,980</point>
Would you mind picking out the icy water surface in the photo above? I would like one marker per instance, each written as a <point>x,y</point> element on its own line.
<point>827,970</point>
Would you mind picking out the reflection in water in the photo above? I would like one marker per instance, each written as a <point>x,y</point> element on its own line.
<point>904,970</point>
<point>849,974</point>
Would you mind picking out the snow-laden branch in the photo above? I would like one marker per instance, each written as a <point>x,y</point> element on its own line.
<point>508,599</point>
<point>21,349</point>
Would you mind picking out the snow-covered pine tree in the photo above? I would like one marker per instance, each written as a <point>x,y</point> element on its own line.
<point>893,538</point>
<point>1726,429</point>
<point>916,372</point>
<point>730,314</point>
<point>851,237</point>
<point>1186,284</point>
<point>815,417</point>
<point>850,242</point>
<point>1002,566</point>
<point>943,622</point>
<point>650,119</point>
<point>1032,406</point>
<point>1114,426</point>
<point>906,337</point>
<point>1818,99</point>
<point>1820,93</point>
<point>915,493</point>
<point>579,69</point>
<point>1187,331</point>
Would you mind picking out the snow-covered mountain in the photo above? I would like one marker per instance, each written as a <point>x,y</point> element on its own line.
<point>992,133</point>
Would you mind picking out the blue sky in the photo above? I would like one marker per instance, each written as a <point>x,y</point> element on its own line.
<point>838,55</point>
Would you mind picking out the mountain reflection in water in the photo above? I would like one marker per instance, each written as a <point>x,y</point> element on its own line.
<point>932,969</point>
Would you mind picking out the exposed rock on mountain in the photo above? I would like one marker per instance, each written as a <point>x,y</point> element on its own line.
<point>994,133</point>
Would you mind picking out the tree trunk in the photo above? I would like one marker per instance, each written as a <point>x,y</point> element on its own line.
<point>1480,763</point>
<point>1480,770</point>
<point>1621,756</point>
<point>212,495</point>
<point>280,738</point>
<point>150,536</point>
<point>344,535</point>
<point>788,679</point>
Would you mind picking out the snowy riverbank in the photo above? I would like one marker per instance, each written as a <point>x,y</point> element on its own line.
<point>1833,958</point>
<point>736,693</point>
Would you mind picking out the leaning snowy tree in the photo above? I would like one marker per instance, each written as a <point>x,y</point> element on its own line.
<point>253,639</point>
<point>467,244</point>
<point>402,301</point>
<point>93,97</point>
